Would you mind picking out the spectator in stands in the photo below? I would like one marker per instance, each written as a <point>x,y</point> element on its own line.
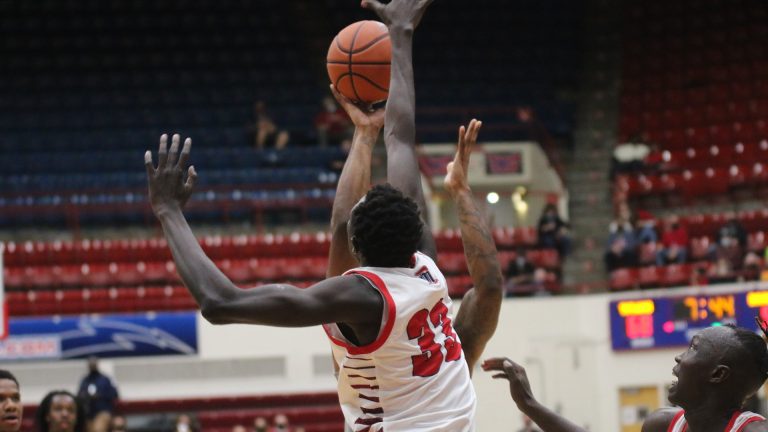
<point>239,428</point>
<point>674,242</point>
<point>11,409</point>
<point>98,396</point>
<point>622,247</point>
<point>118,424</point>
<point>281,423</point>
<point>522,275</point>
<point>332,123</point>
<point>722,271</point>
<point>646,228</point>
<point>753,267</point>
<point>260,424</point>
<point>59,411</point>
<point>730,243</point>
<point>265,130</point>
<point>553,231</point>
<point>185,423</point>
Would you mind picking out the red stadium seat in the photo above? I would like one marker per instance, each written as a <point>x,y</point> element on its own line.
<point>623,279</point>
<point>675,275</point>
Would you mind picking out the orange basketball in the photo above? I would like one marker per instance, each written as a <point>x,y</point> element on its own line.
<point>358,61</point>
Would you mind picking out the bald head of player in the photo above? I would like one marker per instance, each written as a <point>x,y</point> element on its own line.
<point>10,403</point>
<point>385,228</point>
<point>722,367</point>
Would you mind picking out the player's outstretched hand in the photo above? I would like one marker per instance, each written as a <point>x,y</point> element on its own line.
<point>400,13</point>
<point>167,188</point>
<point>456,177</point>
<point>519,386</point>
<point>366,118</point>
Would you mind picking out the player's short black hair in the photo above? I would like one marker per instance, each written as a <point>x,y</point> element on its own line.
<point>4,374</point>
<point>41,420</point>
<point>754,346</point>
<point>386,227</point>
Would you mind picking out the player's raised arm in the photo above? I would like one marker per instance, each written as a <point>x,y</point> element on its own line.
<point>345,299</point>
<point>402,17</point>
<point>546,419</point>
<point>479,312</point>
<point>354,182</point>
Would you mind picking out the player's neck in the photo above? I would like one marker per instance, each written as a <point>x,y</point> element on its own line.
<point>711,416</point>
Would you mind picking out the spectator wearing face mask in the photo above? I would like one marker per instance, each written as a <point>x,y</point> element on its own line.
<point>281,424</point>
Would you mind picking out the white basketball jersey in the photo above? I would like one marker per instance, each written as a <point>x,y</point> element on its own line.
<point>739,420</point>
<point>413,377</point>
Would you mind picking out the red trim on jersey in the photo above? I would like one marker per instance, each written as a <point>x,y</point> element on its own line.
<point>734,417</point>
<point>385,332</point>
<point>752,419</point>
<point>674,420</point>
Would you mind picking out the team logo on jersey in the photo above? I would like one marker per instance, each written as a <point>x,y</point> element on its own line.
<point>424,273</point>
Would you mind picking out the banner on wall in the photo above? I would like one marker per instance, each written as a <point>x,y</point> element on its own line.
<point>119,335</point>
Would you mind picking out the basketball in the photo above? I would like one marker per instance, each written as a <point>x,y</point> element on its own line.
<point>358,61</point>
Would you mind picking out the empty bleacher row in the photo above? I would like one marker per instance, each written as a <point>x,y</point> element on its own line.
<point>316,412</point>
<point>110,187</point>
<point>135,275</point>
<point>77,69</point>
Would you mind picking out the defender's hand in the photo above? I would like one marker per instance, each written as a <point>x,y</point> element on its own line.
<point>519,386</point>
<point>399,13</point>
<point>369,119</point>
<point>167,188</point>
<point>457,170</point>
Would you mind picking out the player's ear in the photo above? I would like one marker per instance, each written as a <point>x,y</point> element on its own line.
<point>353,242</point>
<point>719,374</point>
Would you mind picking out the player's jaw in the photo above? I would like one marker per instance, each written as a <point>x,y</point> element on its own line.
<point>672,389</point>
<point>10,420</point>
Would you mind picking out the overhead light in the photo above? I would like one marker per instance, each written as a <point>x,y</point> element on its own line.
<point>492,197</point>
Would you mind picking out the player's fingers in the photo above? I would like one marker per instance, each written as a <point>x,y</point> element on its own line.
<point>174,151</point>
<point>493,363</point>
<point>191,179</point>
<point>462,131</point>
<point>162,151</point>
<point>500,376</point>
<point>184,157</point>
<point>476,131</point>
<point>339,97</point>
<point>148,163</point>
<point>373,5</point>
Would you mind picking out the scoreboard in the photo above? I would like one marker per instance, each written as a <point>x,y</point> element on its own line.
<point>672,321</point>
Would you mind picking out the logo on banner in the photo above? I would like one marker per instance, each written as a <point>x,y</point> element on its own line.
<point>30,348</point>
<point>121,335</point>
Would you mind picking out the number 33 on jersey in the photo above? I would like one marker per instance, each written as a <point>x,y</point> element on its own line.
<point>413,377</point>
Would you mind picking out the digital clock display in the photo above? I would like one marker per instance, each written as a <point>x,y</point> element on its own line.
<point>672,321</point>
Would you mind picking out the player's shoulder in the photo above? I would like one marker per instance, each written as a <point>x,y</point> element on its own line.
<point>757,426</point>
<point>659,420</point>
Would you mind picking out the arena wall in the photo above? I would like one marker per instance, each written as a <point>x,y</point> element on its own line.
<point>564,342</point>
